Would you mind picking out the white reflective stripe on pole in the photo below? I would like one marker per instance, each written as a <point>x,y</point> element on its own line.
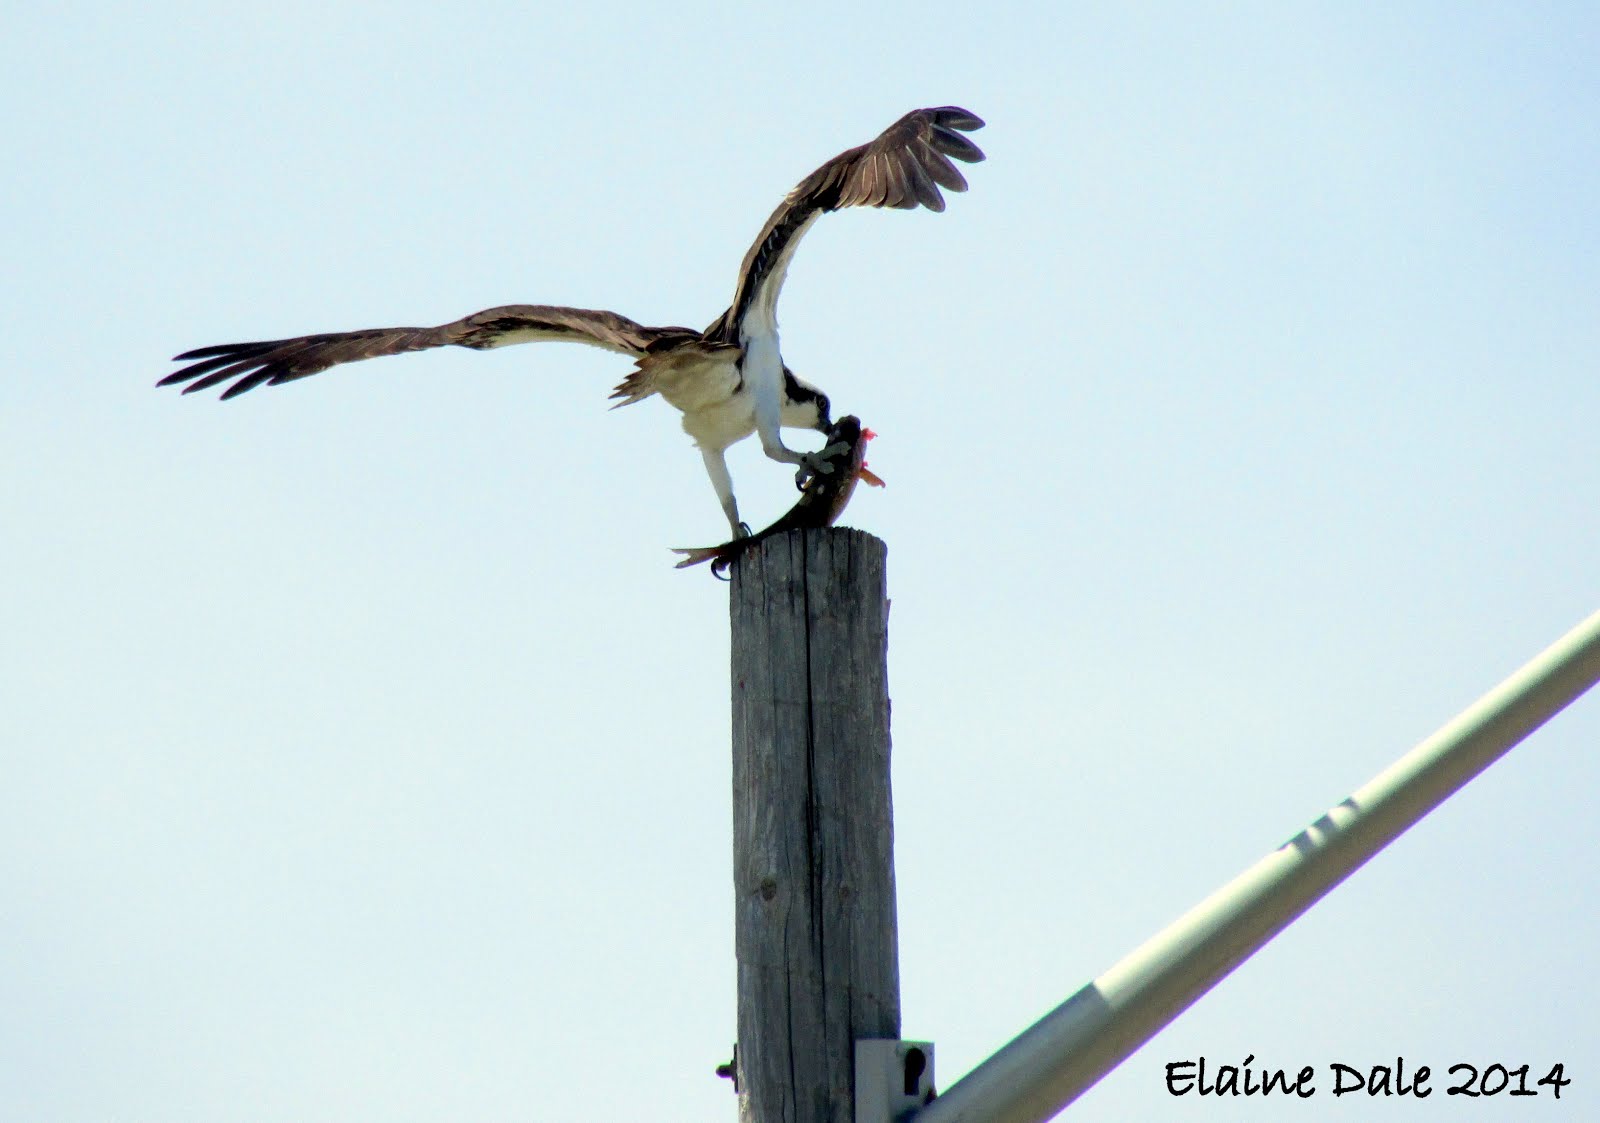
<point>1064,1053</point>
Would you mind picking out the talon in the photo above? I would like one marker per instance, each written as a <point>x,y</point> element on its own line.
<point>819,463</point>
<point>741,531</point>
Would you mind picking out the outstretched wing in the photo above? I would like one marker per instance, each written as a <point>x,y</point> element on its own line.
<point>283,360</point>
<point>903,168</point>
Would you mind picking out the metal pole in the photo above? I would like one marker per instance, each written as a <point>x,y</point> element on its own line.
<point>1063,1054</point>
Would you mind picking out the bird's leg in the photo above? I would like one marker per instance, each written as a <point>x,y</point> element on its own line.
<point>717,469</point>
<point>763,370</point>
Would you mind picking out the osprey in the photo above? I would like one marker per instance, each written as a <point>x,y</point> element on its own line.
<point>729,380</point>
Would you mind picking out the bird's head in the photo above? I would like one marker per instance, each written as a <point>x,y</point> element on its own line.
<point>804,406</point>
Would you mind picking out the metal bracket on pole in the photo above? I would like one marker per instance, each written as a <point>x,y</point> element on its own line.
<point>893,1079</point>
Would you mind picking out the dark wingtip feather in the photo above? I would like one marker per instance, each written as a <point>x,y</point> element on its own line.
<point>954,144</point>
<point>248,382</point>
<point>923,188</point>
<point>240,349</point>
<point>941,170</point>
<point>218,364</point>
<point>954,117</point>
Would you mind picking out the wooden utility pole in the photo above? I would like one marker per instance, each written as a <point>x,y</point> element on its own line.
<point>813,853</point>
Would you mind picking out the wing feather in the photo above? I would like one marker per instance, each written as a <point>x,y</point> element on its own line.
<point>952,143</point>
<point>943,172</point>
<point>904,167</point>
<point>283,360</point>
<point>922,186</point>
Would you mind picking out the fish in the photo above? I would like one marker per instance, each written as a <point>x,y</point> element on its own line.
<point>822,501</point>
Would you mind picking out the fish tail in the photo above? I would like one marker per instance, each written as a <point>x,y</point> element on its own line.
<point>697,555</point>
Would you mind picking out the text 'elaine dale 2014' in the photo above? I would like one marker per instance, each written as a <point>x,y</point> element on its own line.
<point>1398,1079</point>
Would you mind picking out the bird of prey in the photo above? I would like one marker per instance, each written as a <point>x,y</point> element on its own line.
<point>729,380</point>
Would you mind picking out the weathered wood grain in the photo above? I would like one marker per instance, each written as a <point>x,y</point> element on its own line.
<point>813,835</point>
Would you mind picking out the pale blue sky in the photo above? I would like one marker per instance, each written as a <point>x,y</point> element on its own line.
<point>363,756</point>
